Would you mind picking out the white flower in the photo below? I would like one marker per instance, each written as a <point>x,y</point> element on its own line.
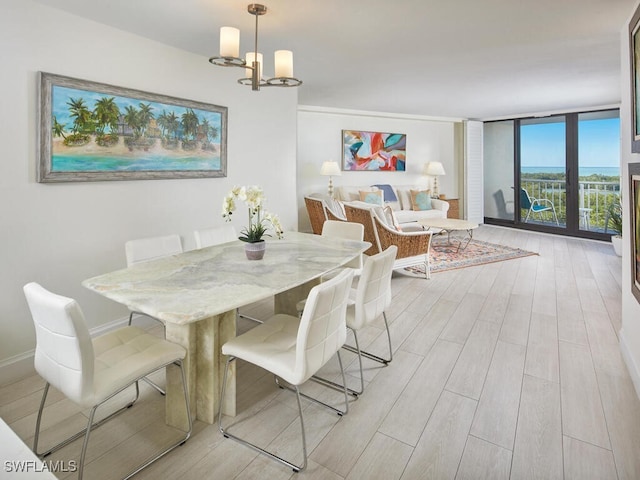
<point>253,196</point>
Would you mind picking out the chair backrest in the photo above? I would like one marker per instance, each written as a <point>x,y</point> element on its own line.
<point>64,352</point>
<point>525,199</point>
<point>323,327</point>
<point>364,217</point>
<point>317,214</point>
<point>346,230</point>
<point>145,249</point>
<point>215,236</point>
<point>373,294</point>
<point>334,215</point>
<point>410,244</point>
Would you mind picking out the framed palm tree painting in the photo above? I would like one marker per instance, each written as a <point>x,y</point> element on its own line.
<point>90,131</point>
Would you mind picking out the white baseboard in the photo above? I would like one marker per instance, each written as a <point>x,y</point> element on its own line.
<point>20,366</point>
<point>632,366</point>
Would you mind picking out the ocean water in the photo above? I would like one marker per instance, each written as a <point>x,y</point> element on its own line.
<point>90,163</point>
<point>584,171</point>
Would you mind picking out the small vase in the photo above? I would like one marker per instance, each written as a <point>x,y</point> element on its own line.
<point>255,251</point>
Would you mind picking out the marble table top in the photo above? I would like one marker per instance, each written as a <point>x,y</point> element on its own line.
<point>197,284</point>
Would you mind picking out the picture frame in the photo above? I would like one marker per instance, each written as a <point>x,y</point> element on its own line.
<point>373,151</point>
<point>634,63</point>
<point>634,213</point>
<point>90,131</point>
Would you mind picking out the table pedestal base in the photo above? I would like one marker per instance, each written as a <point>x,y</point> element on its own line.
<point>204,369</point>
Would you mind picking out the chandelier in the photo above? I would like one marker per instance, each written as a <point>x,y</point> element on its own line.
<point>252,63</point>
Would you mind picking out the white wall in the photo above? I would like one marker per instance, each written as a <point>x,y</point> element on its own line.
<point>630,332</point>
<point>60,234</point>
<point>320,139</point>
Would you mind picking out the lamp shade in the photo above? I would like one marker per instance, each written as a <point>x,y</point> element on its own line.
<point>283,63</point>
<point>330,168</point>
<point>434,168</point>
<point>229,42</point>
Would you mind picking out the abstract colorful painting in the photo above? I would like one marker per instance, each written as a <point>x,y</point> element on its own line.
<point>91,132</point>
<point>373,151</point>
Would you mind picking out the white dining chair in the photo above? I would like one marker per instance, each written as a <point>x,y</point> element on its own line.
<point>348,231</point>
<point>294,349</point>
<point>88,371</point>
<point>151,248</point>
<point>367,302</point>
<point>345,230</point>
<point>215,236</point>
<point>145,250</point>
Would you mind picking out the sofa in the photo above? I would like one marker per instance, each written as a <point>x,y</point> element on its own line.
<point>401,205</point>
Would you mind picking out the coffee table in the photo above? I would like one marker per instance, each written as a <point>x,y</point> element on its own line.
<point>448,225</point>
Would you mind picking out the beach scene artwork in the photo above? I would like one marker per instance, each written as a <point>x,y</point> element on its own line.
<point>93,131</point>
<point>374,151</point>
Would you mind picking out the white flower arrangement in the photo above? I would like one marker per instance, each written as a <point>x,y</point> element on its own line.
<point>253,196</point>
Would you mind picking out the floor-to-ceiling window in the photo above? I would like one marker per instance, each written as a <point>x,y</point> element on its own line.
<point>557,173</point>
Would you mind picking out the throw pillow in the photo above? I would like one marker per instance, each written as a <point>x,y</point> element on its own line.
<point>389,194</point>
<point>421,200</point>
<point>375,197</point>
<point>392,221</point>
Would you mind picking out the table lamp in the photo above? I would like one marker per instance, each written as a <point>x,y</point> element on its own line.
<point>434,169</point>
<point>330,169</point>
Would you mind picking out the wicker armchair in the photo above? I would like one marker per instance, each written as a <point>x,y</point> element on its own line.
<point>360,215</point>
<point>317,213</point>
<point>413,247</point>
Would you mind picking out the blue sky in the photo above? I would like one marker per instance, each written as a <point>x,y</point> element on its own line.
<point>543,144</point>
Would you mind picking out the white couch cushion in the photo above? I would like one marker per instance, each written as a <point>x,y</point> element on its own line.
<point>402,209</point>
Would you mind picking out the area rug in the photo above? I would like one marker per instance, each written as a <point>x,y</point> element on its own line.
<point>444,257</point>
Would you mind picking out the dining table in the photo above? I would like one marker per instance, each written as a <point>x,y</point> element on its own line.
<point>196,295</point>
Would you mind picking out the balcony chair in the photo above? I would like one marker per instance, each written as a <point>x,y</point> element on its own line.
<point>536,205</point>
<point>145,250</point>
<point>366,303</point>
<point>294,349</point>
<point>88,371</point>
<point>216,236</point>
<point>413,247</point>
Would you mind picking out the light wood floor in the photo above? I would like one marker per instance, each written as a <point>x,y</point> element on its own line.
<point>507,370</point>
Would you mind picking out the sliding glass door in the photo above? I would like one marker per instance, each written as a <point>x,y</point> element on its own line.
<point>598,168</point>
<point>553,174</point>
<point>499,154</point>
<point>543,171</point>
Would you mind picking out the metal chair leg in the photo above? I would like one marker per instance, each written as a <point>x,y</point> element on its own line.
<point>73,438</point>
<point>91,425</point>
<point>247,317</point>
<point>327,383</point>
<point>149,382</point>
<point>360,354</point>
<point>293,466</point>
<point>154,385</point>
<point>371,356</point>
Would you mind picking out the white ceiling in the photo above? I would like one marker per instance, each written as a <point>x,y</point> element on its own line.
<point>446,58</point>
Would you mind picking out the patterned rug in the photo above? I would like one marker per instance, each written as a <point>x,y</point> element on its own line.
<point>445,257</point>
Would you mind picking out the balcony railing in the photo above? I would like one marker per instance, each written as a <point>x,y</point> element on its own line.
<point>594,200</point>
